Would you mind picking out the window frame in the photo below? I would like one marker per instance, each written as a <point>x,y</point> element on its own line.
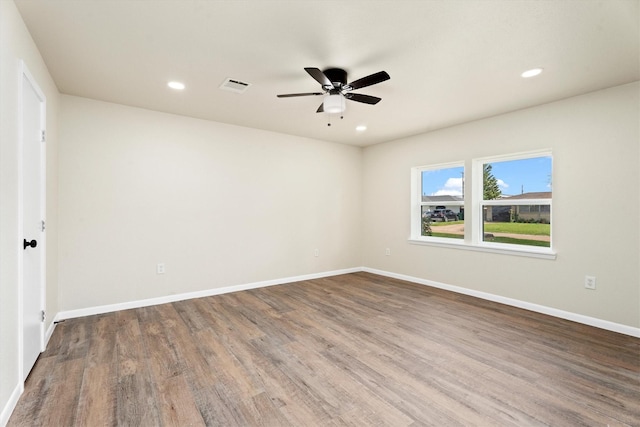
<point>474,204</point>
<point>417,203</point>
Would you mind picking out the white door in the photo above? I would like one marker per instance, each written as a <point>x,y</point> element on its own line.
<point>33,186</point>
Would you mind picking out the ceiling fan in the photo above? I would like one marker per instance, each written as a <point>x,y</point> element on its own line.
<point>336,89</point>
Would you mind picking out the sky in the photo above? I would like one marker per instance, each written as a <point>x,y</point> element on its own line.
<point>514,177</point>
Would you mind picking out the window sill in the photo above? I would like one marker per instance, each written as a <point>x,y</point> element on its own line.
<point>503,249</point>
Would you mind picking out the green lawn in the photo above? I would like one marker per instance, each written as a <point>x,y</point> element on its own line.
<point>517,228</point>
<point>512,241</point>
<point>506,227</point>
<point>523,229</point>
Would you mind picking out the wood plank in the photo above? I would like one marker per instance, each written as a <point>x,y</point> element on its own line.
<point>136,394</point>
<point>176,404</point>
<point>356,349</point>
<point>59,407</point>
<point>97,401</point>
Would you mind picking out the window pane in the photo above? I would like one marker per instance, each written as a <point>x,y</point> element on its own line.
<point>524,178</point>
<point>443,202</point>
<point>443,182</point>
<point>518,224</point>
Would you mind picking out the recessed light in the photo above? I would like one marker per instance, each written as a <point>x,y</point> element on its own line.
<point>361,128</point>
<point>531,73</point>
<point>176,85</point>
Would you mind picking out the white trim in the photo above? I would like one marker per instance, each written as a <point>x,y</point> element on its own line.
<point>574,317</point>
<point>71,314</point>
<point>20,228</point>
<point>545,152</point>
<point>47,335</point>
<point>473,203</point>
<point>478,202</point>
<point>11,404</point>
<point>416,193</point>
<point>495,248</point>
<point>438,166</point>
<point>25,74</point>
<point>579,318</point>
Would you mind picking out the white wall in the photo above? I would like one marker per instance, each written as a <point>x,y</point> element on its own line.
<point>16,44</point>
<point>595,143</point>
<point>220,205</point>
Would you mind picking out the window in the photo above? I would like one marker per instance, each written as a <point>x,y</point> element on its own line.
<point>440,201</point>
<point>516,200</point>
<point>509,207</point>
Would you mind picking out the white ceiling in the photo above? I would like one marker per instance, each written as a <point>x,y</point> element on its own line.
<point>450,61</point>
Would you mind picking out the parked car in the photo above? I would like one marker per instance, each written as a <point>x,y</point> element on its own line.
<point>444,215</point>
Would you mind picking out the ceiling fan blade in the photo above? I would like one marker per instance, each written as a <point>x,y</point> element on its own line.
<point>320,108</point>
<point>358,97</point>
<point>319,76</point>
<point>290,95</point>
<point>370,80</point>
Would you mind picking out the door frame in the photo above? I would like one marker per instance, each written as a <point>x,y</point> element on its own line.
<point>25,74</point>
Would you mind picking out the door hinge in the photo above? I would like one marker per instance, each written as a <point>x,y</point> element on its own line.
<point>44,315</point>
<point>43,226</point>
<point>43,136</point>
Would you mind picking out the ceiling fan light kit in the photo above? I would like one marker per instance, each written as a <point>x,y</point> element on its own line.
<point>333,82</point>
<point>333,104</point>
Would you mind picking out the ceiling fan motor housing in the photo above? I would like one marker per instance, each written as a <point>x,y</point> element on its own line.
<point>336,89</point>
<point>337,76</point>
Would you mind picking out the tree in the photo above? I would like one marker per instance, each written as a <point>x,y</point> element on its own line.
<point>426,226</point>
<point>490,184</point>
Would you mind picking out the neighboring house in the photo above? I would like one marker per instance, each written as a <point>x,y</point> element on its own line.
<point>523,212</point>
<point>455,203</point>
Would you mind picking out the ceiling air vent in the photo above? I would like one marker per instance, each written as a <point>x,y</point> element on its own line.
<point>234,85</point>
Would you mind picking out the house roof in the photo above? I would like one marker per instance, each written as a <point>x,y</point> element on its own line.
<point>532,195</point>
<point>449,62</point>
<point>442,199</point>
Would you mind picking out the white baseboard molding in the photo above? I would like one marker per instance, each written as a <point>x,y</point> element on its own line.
<point>579,318</point>
<point>49,332</point>
<point>591,321</point>
<point>71,314</point>
<point>11,404</point>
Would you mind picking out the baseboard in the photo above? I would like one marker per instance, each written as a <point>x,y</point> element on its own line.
<point>11,404</point>
<point>591,321</point>
<point>579,318</point>
<point>49,332</point>
<point>71,314</point>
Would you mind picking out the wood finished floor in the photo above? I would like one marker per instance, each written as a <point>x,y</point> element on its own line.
<point>357,349</point>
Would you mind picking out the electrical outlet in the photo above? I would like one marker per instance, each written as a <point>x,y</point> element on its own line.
<point>590,282</point>
<point>160,268</point>
<point>316,252</point>
<point>387,252</point>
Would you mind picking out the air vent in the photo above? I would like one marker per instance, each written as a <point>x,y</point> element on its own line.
<point>234,85</point>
